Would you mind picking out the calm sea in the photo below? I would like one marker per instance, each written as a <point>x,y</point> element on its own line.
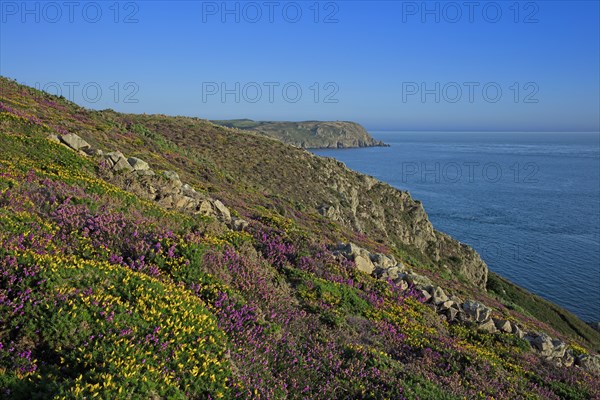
<point>529,203</point>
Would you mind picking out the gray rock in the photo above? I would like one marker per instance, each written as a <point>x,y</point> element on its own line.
<point>364,264</point>
<point>394,272</point>
<point>559,350</point>
<point>138,164</point>
<point>503,325</point>
<point>93,152</point>
<point>329,211</point>
<point>446,305</point>
<point>476,311</point>
<point>401,283</point>
<point>426,296</point>
<point>487,326</point>
<point>53,138</point>
<point>451,314</point>
<point>360,256</point>
<point>415,279</point>
<point>188,188</point>
<point>386,273</point>
<point>382,260</point>
<point>589,363</point>
<point>439,296</point>
<point>114,156</point>
<point>171,175</point>
<point>74,141</point>
<point>222,212</point>
<point>517,331</point>
<point>543,343</point>
<point>117,161</point>
<point>122,164</point>
<point>568,360</point>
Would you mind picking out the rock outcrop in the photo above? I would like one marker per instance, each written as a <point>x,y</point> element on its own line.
<point>166,189</point>
<point>470,312</point>
<point>368,205</point>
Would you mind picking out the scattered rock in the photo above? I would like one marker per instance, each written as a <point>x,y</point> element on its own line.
<point>503,325</point>
<point>329,211</point>
<point>222,212</point>
<point>446,305</point>
<point>122,164</point>
<point>476,311</point>
<point>138,164</point>
<point>360,256</point>
<point>416,279</point>
<point>487,326</point>
<point>425,295</point>
<point>401,283</point>
<point>589,363</point>
<point>74,141</point>
<point>382,260</point>
<point>517,331</point>
<point>171,175</point>
<point>93,152</point>
<point>439,296</point>
<point>451,314</point>
<point>542,343</point>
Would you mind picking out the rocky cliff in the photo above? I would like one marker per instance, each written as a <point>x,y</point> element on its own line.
<point>369,205</point>
<point>310,134</point>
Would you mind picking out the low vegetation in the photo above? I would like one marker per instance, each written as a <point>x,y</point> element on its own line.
<point>103,294</point>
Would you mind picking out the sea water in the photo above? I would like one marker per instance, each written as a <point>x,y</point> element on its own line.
<point>529,203</point>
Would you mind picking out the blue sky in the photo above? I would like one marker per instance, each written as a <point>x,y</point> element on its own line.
<point>402,65</point>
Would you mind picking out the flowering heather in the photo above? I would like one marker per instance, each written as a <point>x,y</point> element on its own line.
<point>105,295</point>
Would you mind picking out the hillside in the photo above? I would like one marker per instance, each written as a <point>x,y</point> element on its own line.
<point>309,134</point>
<point>148,256</point>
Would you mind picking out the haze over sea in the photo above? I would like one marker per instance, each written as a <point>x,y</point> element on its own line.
<point>529,203</point>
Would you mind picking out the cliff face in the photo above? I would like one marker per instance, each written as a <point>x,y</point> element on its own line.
<point>383,211</point>
<point>310,134</point>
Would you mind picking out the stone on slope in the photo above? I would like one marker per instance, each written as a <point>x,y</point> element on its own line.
<point>173,177</point>
<point>439,296</point>
<point>223,213</point>
<point>488,326</point>
<point>503,325</point>
<point>138,164</point>
<point>416,279</point>
<point>518,332</point>
<point>382,260</point>
<point>360,256</point>
<point>542,343</point>
<point>451,314</point>
<point>589,363</point>
<point>425,295</point>
<point>74,141</point>
<point>476,311</point>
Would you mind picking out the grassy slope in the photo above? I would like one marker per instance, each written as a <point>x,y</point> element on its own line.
<point>285,295</point>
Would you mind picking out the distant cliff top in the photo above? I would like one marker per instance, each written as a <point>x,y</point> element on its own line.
<point>310,134</point>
